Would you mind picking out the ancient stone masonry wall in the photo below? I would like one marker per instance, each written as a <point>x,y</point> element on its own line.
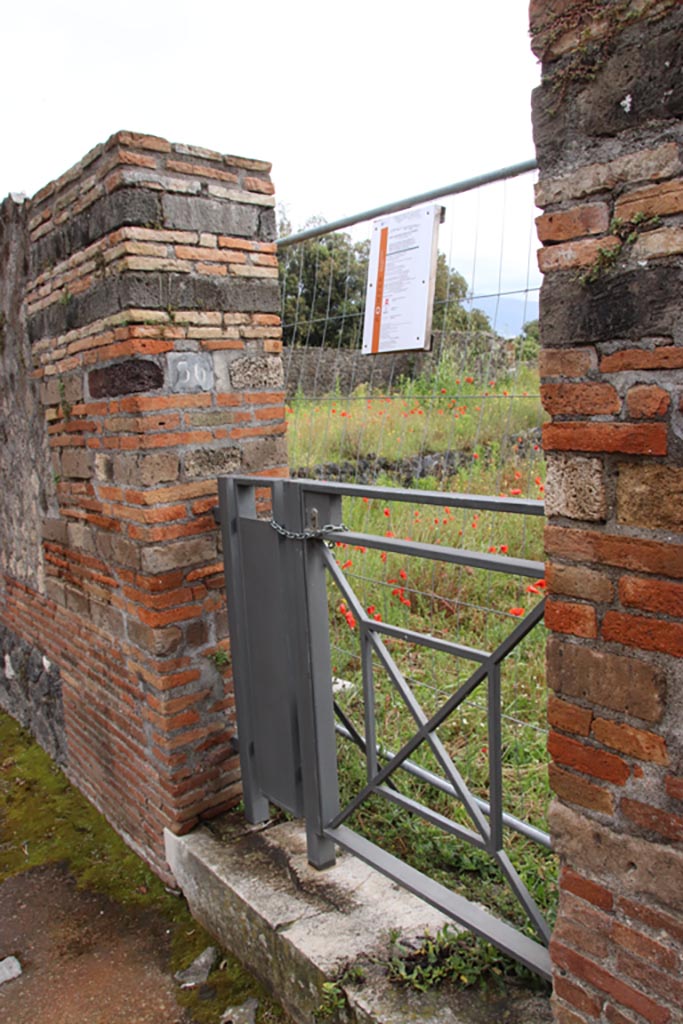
<point>151,304</point>
<point>609,139</point>
<point>25,468</point>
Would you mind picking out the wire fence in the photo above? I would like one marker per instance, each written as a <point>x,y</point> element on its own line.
<point>465,415</point>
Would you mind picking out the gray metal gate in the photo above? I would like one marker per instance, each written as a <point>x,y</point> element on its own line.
<point>277,569</point>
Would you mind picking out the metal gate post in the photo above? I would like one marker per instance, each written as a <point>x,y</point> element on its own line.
<point>306,597</point>
<point>235,501</point>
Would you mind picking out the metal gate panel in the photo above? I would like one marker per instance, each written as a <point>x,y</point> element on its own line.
<point>275,733</point>
<point>264,685</point>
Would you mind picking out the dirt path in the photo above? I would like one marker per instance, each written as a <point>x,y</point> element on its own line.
<point>86,959</point>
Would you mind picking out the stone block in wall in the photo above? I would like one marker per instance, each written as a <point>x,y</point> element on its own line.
<point>647,870</point>
<point>636,304</point>
<point>575,487</point>
<point>77,463</point>
<point>26,467</point>
<point>145,469</point>
<point>249,374</point>
<point>579,581</point>
<point>180,554</point>
<point>80,537</point>
<point>271,450</point>
<point>621,683</point>
<point>160,642</point>
<point>650,496</point>
<point>125,378</point>
<point>212,461</point>
<point>211,215</point>
<point>116,550</point>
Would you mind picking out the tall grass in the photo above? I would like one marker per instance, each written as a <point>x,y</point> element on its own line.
<point>476,418</point>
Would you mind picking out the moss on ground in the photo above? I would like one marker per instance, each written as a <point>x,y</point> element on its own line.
<point>45,820</point>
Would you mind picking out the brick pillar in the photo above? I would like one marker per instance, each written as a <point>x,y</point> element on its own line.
<point>152,311</point>
<point>609,140</point>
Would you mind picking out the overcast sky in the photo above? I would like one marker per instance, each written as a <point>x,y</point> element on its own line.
<point>356,104</point>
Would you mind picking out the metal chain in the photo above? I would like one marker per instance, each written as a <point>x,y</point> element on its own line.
<point>309,534</point>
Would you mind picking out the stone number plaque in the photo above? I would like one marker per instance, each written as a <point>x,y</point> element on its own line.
<point>190,371</point>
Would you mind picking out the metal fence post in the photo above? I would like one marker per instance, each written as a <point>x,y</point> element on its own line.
<point>306,596</point>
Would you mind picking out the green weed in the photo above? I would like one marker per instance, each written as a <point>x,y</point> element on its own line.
<point>453,957</point>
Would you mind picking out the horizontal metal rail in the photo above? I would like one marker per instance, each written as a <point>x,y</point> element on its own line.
<point>404,204</point>
<point>452,499</point>
<point>456,556</point>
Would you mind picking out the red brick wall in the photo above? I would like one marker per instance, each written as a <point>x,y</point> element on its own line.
<point>609,139</point>
<point>152,313</point>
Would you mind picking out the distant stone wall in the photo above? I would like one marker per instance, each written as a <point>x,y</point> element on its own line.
<point>313,372</point>
<point>141,357</point>
<point>324,371</point>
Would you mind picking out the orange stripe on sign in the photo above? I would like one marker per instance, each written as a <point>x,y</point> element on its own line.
<point>377,324</point>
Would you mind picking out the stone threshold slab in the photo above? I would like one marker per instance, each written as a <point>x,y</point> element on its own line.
<point>295,927</point>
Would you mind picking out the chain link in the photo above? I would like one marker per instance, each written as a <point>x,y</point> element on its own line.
<point>310,534</point>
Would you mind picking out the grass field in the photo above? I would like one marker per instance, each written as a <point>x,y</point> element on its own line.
<point>480,420</point>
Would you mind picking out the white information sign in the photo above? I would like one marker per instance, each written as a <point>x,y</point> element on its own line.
<point>401,279</point>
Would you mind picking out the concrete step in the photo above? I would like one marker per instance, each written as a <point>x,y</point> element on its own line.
<point>296,928</point>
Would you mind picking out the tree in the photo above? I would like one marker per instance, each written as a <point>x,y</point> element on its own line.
<point>323,284</point>
<point>528,343</point>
